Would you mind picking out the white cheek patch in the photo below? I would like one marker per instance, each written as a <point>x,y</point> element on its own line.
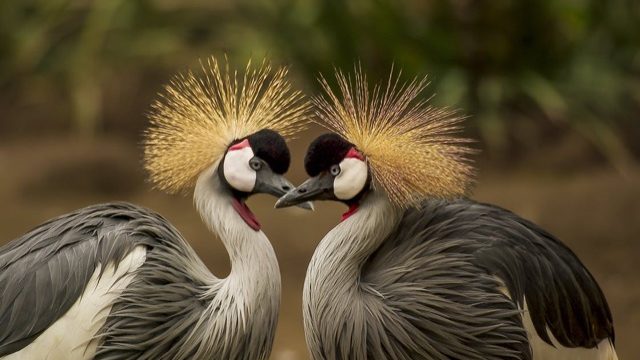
<point>237,171</point>
<point>351,180</point>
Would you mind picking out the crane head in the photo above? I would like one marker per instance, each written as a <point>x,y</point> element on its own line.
<point>203,116</point>
<point>226,123</point>
<point>256,165</point>
<point>387,138</point>
<point>338,172</point>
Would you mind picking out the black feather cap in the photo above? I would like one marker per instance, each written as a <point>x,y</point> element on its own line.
<point>271,147</point>
<point>326,150</point>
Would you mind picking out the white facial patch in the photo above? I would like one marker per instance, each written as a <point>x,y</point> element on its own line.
<point>237,171</point>
<point>351,180</point>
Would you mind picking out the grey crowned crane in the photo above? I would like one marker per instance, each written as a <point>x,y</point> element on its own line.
<point>417,271</point>
<point>117,281</point>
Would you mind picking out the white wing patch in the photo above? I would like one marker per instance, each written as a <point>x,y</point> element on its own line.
<point>71,336</point>
<point>352,178</point>
<point>237,170</point>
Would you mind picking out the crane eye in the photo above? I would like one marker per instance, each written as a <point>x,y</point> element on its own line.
<point>335,170</point>
<point>255,164</point>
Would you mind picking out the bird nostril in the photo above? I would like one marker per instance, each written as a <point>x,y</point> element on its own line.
<point>302,190</point>
<point>286,187</point>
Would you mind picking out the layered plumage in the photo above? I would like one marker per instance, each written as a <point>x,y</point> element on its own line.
<point>163,313</point>
<point>417,271</point>
<point>116,281</point>
<point>450,280</point>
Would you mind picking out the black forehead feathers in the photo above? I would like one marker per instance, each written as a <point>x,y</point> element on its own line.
<point>324,151</point>
<point>270,146</point>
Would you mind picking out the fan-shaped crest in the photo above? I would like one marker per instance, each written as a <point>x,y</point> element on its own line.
<point>410,145</point>
<point>199,115</point>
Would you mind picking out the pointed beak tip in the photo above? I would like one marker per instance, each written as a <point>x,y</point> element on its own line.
<point>307,205</point>
<point>281,203</point>
<point>303,195</point>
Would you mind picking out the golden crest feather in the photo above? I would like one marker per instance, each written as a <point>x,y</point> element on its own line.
<point>410,145</point>
<point>198,116</point>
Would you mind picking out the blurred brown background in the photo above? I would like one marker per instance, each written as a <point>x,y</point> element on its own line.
<point>552,89</point>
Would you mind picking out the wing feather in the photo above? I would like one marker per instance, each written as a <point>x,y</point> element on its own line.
<point>45,271</point>
<point>561,294</point>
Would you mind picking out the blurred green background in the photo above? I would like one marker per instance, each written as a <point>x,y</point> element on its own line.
<point>552,90</point>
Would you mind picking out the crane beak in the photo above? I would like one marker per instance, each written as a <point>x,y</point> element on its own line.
<point>316,188</point>
<point>268,182</point>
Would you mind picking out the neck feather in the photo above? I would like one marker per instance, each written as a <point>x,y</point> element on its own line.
<point>252,289</point>
<point>249,250</point>
<point>344,250</point>
<point>335,271</point>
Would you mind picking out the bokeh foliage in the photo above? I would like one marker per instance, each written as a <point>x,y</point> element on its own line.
<point>528,72</point>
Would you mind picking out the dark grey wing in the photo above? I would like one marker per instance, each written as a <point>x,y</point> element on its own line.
<point>165,299</point>
<point>442,305</point>
<point>44,272</point>
<point>561,293</point>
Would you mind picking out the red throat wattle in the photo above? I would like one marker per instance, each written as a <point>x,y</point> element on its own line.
<point>243,210</point>
<point>353,208</point>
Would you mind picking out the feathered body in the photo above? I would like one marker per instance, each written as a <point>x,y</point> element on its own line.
<point>449,280</point>
<point>187,312</point>
<point>116,281</point>
<point>417,271</point>
<point>172,307</point>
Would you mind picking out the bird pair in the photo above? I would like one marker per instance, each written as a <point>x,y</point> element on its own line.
<point>413,271</point>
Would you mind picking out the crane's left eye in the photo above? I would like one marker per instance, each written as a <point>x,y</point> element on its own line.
<point>335,170</point>
<point>255,164</point>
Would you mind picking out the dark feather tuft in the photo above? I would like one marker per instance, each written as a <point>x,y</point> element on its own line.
<point>324,151</point>
<point>272,148</point>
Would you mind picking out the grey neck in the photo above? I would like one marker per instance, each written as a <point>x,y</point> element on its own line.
<point>344,250</point>
<point>335,273</point>
<point>252,290</point>
<point>249,250</point>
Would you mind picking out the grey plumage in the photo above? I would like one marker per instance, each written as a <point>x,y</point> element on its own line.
<point>442,279</point>
<point>173,308</point>
<point>433,283</point>
<point>43,272</point>
<point>116,281</point>
<point>165,312</point>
